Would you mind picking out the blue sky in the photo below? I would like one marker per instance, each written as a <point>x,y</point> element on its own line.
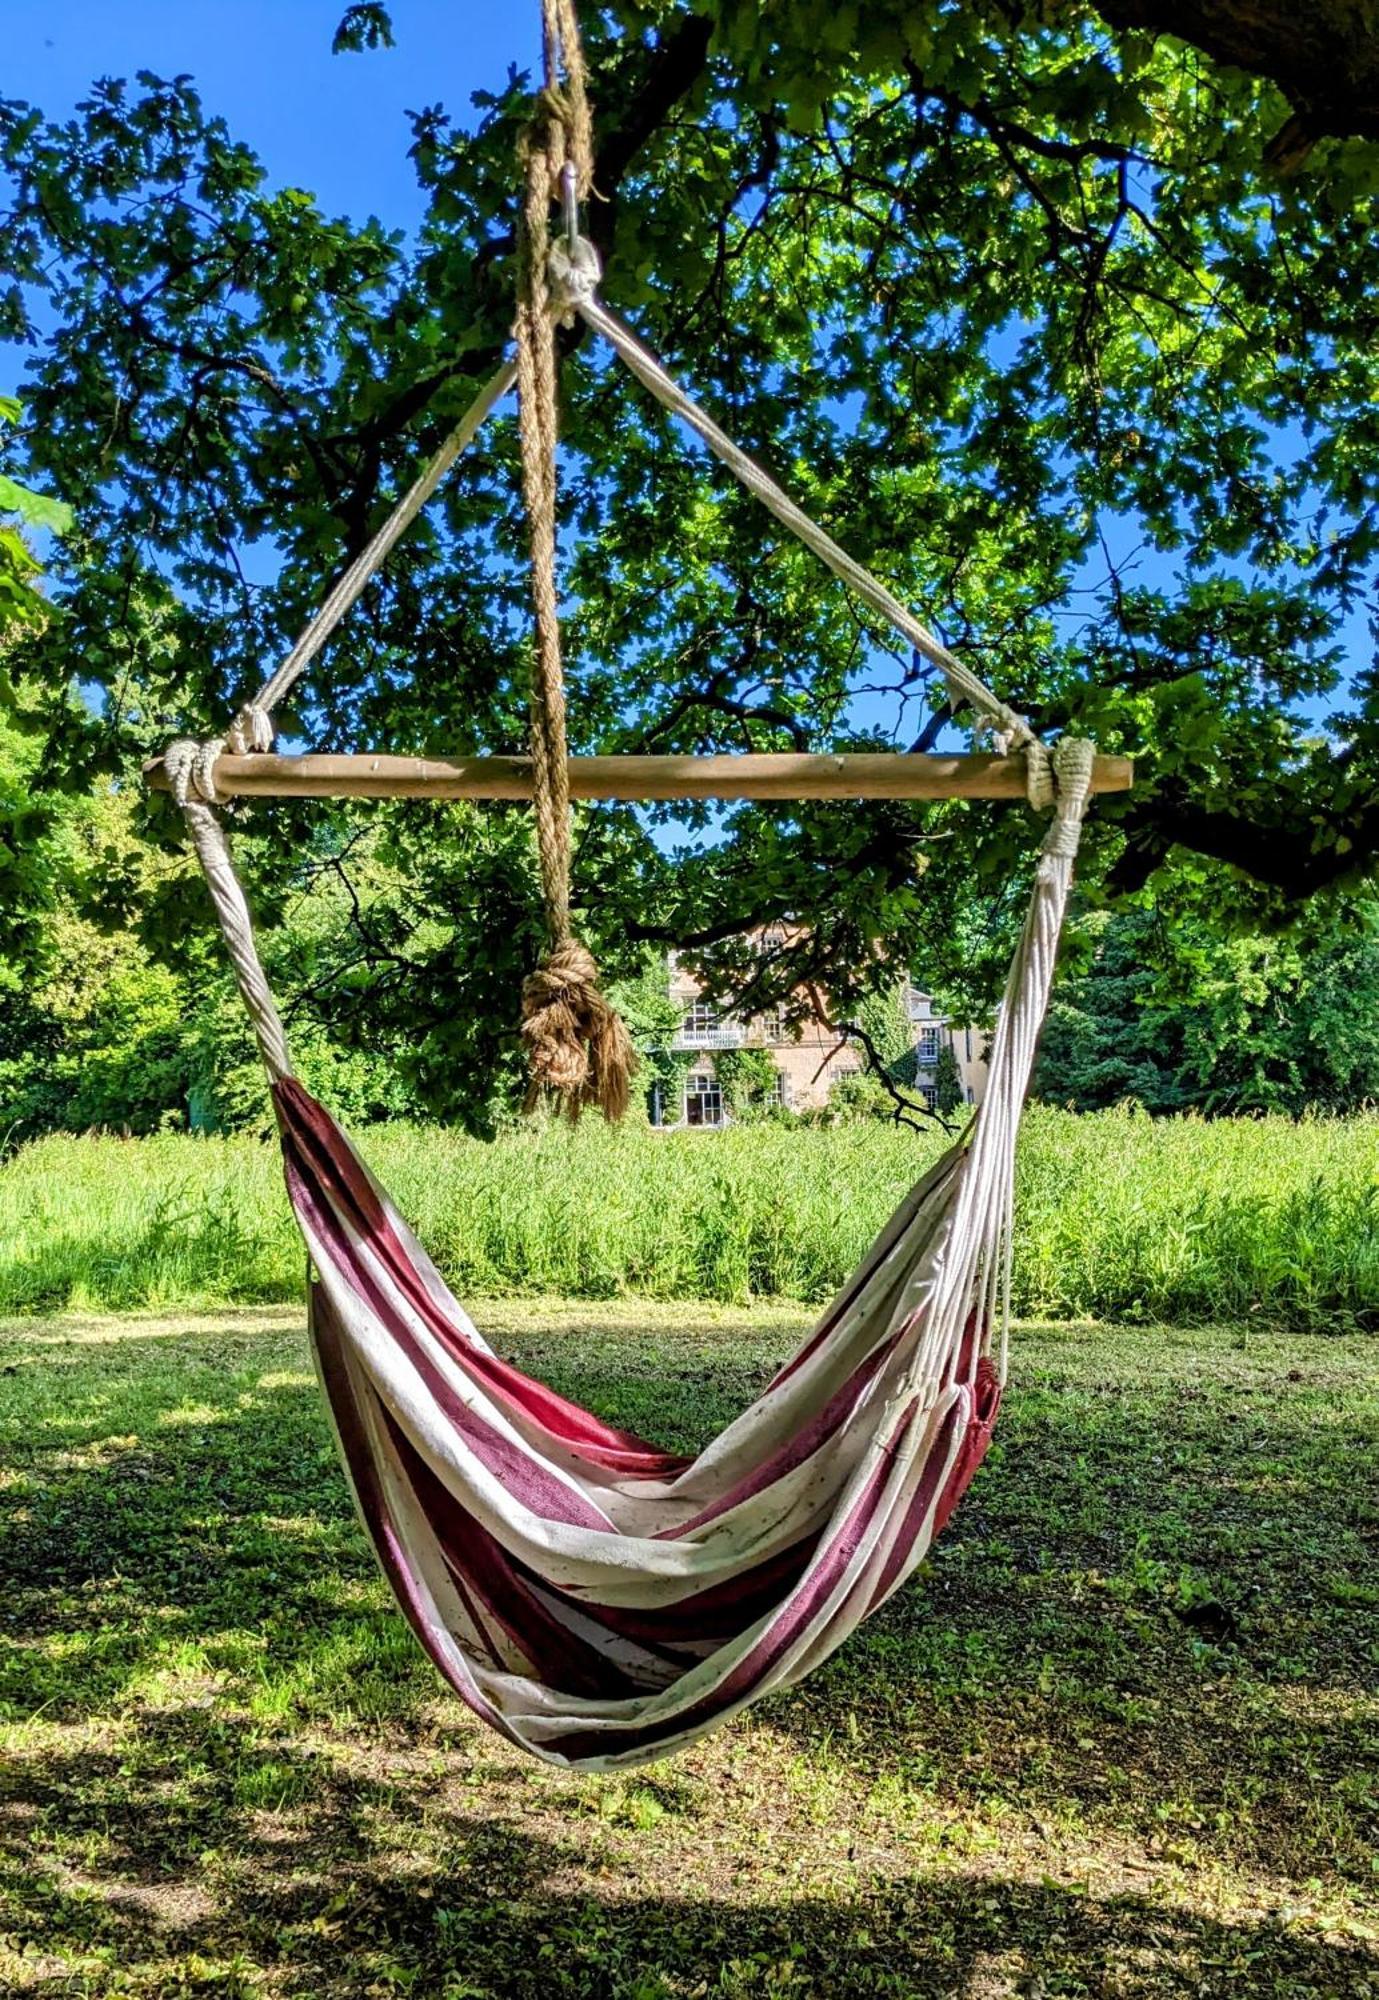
<point>334,124</point>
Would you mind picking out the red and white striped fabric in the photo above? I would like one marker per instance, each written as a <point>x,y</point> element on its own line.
<point>596,1600</point>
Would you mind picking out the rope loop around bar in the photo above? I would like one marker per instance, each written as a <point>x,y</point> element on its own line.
<point>1040,788</point>
<point>190,766</point>
<point>1072,761</point>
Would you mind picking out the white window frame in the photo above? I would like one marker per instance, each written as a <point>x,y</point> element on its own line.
<point>703,1085</point>
<point>701,1020</point>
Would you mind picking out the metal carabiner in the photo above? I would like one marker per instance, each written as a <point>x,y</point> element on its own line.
<point>569,202</point>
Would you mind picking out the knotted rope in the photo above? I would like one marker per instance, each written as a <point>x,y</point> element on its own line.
<point>577,1046</point>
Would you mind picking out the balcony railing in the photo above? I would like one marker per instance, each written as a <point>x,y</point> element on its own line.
<point>726,1035</point>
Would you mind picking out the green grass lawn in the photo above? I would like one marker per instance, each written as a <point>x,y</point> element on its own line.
<point>1120,1738</point>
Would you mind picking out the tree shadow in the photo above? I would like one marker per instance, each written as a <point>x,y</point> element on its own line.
<point>208,1891</point>
<point>182,1563</point>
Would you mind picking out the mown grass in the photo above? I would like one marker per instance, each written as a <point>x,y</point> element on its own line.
<point>1121,1738</point>
<point>1119,1216</point>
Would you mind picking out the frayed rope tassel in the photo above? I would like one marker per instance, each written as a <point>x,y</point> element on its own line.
<point>578,1050</point>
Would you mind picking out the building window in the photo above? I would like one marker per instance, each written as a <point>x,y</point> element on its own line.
<point>703,1099</point>
<point>771,1026</point>
<point>781,1093</point>
<point>703,1027</point>
<point>926,1047</point>
<point>929,1092</point>
<point>701,1023</point>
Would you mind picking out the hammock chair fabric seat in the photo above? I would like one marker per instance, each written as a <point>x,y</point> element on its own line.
<point>597,1600</point>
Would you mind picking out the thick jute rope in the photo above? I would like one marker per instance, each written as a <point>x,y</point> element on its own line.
<point>577,1047</point>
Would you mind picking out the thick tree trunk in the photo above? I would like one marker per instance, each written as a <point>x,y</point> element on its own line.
<point>1322,54</point>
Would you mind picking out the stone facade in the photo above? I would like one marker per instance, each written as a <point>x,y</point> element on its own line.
<point>809,1060</point>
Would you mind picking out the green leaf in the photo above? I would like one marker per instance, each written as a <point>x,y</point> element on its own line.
<point>36,509</point>
<point>365,26</point>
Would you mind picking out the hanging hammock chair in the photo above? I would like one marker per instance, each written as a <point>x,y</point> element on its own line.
<point>597,1601</point>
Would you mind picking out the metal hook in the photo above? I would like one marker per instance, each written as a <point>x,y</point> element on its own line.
<point>569,201</point>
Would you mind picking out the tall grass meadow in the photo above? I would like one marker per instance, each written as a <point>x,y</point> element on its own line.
<point>1120,1216</point>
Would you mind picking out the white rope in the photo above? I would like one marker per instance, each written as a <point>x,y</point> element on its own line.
<point>977,1254</point>
<point>1039,784</point>
<point>237,929</point>
<point>191,769</point>
<point>580,293</point>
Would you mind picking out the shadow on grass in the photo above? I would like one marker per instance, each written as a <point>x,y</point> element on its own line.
<point>196,1885</point>
<point>1135,1636</point>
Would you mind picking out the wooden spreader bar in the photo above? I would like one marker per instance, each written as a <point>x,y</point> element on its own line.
<point>751,775</point>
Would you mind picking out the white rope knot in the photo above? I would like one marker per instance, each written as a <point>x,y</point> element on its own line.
<point>573,271</point>
<point>1005,729</point>
<point>1010,732</point>
<point>191,769</point>
<point>251,732</point>
<point>1072,769</point>
<point>1039,785</point>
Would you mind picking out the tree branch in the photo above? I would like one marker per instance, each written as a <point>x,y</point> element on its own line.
<point>1323,56</point>
<point>1271,854</point>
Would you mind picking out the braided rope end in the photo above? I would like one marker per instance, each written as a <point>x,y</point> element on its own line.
<point>251,732</point>
<point>1073,759</point>
<point>578,1050</point>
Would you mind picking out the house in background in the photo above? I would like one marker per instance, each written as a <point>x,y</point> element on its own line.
<point>809,1059</point>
